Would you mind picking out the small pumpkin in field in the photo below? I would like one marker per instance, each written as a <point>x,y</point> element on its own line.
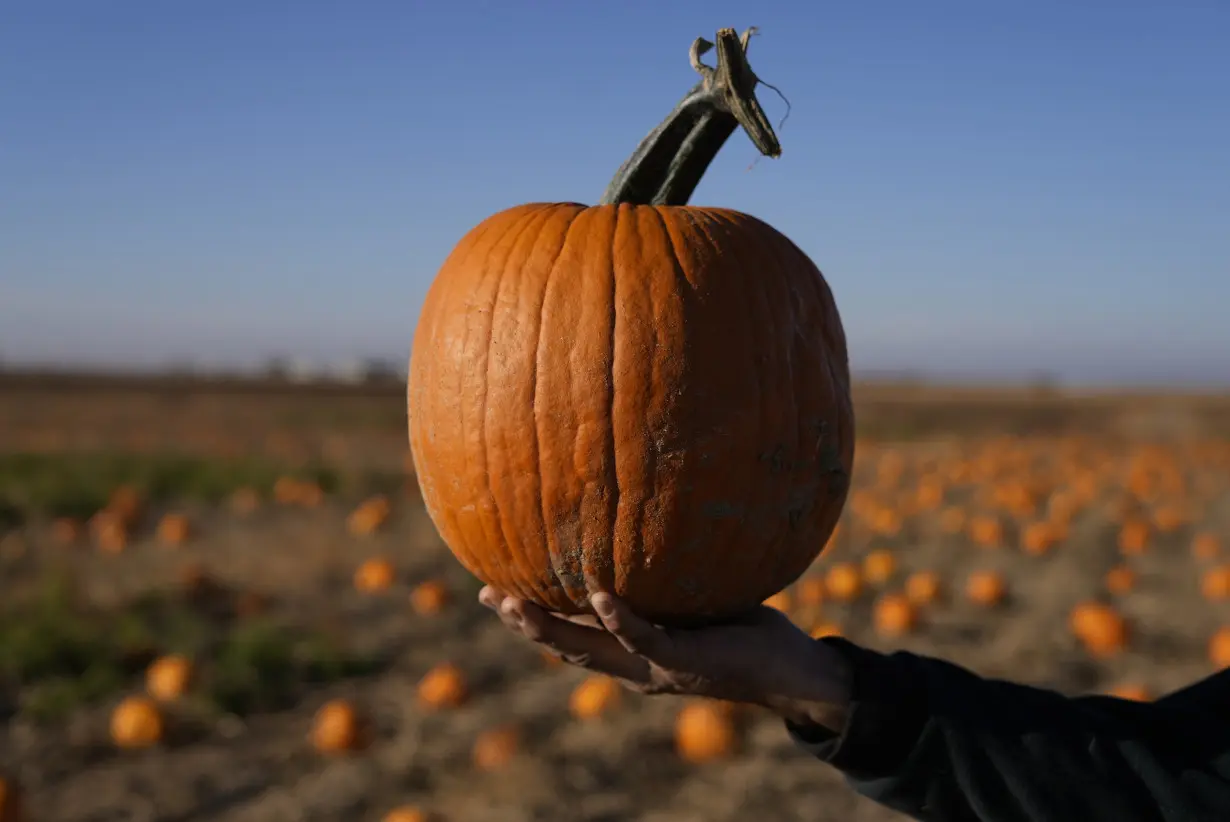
<point>375,575</point>
<point>1219,648</point>
<point>338,728</point>
<point>1133,691</point>
<point>167,678</point>
<point>894,615</point>
<point>110,532</point>
<point>879,566</point>
<point>594,697</point>
<point>1101,629</point>
<point>642,396</point>
<point>986,588</point>
<point>173,529</point>
<point>369,516</point>
<point>137,722</point>
<point>443,687</point>
<point>1215,583</point>
<point>844,582</point>
<point>429,598</point>
<point>704,732</point>
<point>923,587</point>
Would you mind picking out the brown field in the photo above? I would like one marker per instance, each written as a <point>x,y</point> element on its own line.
<point>1066,500</point>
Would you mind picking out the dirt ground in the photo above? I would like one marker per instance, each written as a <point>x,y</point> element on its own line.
<point>1162,461</point>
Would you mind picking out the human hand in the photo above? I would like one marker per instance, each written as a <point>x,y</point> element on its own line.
<point>763,659</point>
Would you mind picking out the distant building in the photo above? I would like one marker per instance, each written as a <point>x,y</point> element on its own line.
<point>370,370</point>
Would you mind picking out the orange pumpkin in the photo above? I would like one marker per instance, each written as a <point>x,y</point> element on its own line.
<point>594,697</point>
<point>338,728</point>
<point>168,677</point>
<point>136,722</point>
<point>641,396</point>
<point>704,732</point>
<point>1099,627</point>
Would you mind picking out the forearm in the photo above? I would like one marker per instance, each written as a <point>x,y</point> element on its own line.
<point>937,742</point>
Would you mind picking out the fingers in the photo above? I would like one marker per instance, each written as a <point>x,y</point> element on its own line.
<point>636,635</point>
<point>591,648</point>
<point>577,644</point>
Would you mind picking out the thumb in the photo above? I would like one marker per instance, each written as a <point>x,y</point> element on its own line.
<point>638,636</point>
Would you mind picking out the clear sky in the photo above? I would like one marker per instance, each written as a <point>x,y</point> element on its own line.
<point>991,188</point>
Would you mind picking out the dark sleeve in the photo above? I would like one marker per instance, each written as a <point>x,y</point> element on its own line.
<point>937,742</point>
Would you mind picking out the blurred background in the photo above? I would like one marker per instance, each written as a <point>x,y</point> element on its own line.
<point>220,597</point>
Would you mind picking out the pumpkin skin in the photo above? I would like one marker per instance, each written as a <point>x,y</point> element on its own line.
<point>652,401</point>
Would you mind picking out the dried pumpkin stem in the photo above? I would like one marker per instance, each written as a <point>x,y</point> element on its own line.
<point>670,162</point>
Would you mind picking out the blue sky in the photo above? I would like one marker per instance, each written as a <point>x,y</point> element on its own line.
<point>992,189</point>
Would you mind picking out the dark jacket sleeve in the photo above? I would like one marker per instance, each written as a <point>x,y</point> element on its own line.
<point>937,742</point>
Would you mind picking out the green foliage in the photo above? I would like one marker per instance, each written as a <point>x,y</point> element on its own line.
<point>78,484</point>
<point>57,655</point>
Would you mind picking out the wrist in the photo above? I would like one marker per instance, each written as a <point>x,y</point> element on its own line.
<point>816,691</point>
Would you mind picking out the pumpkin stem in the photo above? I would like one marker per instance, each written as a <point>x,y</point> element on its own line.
<point>669,163</point>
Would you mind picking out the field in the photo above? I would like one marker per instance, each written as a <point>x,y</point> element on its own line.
<point>269,541</point>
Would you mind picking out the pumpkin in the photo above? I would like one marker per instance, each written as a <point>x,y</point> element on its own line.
<point>1133,691</point>
<point>137,723</point>
<point>1215,583</point>
<point>1099,628</point>
<point>168,677</point>
<point>443,687</point>
<point>110,532</point>
<point>369,517</point>
<point>429,598</point>
<point>641,396</point>
<point>704,732</point>
<point>173,529</point>
<point>844,582</point>
<point>893,615</point>
<point>1219,648</point>
<point>879,567</point>
<point>986,588</point>
<point>594,697</point>
<point>338,728</point>
<point>923,587</point>
<point>375,575</point>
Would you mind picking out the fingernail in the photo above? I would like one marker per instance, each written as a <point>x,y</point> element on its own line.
<point>510,609</point>
<point>602,604</point>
